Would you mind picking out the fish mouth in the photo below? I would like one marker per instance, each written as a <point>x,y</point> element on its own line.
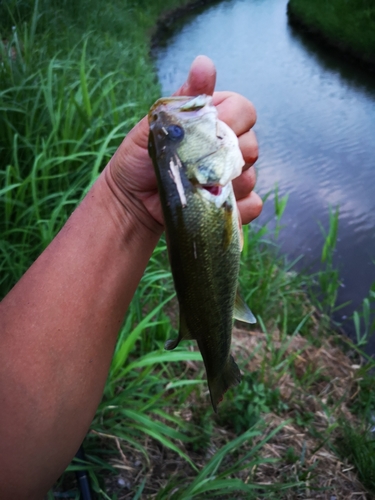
<point>215,193</point>
<point>214,189</point>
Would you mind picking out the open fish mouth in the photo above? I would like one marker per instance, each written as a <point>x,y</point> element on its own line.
<point>215,193</point>
<point>212,189</point>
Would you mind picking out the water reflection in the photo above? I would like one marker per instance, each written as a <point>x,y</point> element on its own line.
<point>316,123</point>
<point>331,60</point>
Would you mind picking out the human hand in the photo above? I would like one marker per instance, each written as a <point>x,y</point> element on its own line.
<point>130,173</point>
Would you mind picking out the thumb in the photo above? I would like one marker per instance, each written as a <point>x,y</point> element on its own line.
<point>201,79</point>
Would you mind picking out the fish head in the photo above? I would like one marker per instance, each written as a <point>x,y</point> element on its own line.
<point>187,130</point>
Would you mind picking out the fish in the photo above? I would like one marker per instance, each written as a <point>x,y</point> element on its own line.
<point>196,156</point>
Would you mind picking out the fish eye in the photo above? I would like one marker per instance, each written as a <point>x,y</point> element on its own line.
<point>155,117</point>
<point>175,132</point>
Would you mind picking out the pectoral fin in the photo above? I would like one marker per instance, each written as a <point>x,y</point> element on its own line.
<point>183,334</point>
<point>242,311</point>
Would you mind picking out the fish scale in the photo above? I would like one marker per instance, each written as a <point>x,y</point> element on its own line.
<point>195,156</point>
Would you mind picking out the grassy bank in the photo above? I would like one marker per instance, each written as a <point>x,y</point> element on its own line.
<point>348,25</point>
<point>74,79</point>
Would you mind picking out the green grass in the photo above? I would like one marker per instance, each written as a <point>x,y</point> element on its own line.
<point>75,87</point>
<point>348,24</point>
<point>360,444</point>
<point>80,78</point>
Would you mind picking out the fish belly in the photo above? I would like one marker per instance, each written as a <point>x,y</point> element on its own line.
<point>205,270</point>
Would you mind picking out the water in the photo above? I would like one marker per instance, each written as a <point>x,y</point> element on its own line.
<point>316,126</point>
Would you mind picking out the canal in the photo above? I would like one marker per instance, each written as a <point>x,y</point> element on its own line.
<point>316,127</point>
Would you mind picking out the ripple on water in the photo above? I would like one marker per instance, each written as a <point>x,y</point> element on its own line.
<point>316,122</point>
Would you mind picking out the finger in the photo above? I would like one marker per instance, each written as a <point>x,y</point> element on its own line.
<point>249,148</point>
<point>244,184</point>
<point>250,207</point>
<point>235,110</point>
<point>201,78</point>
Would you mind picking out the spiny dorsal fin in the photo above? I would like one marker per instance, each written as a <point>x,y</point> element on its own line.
<point>242,311</point>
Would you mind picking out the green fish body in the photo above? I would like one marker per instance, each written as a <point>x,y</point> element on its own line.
<point>195,157</point>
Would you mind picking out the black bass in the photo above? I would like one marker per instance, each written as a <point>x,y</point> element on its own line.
<point>196,156</point>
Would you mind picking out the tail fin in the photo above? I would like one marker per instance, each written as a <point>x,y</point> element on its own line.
<point>219,385</point>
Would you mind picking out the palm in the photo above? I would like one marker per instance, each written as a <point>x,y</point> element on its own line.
<point>131,167</point>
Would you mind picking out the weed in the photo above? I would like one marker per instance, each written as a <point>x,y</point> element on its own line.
<point>364,403</point>
<point>358,446</point>
<point>243,407</point>
<point>290,455</point>
<point>364,322</point>
<point>349,25</point>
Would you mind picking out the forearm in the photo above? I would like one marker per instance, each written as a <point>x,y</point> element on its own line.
<point>58,326</point>
<point>58,329</point>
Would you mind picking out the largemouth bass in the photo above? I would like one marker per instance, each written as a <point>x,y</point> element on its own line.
<point>196,156</point>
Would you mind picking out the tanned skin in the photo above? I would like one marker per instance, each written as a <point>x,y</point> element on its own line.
<point>59,324</point>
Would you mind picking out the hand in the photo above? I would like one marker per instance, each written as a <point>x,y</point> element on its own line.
<point>130,173</point>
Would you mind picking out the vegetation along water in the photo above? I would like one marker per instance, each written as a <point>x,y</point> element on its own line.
<point>347,25</point>
<point>74,78</point>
